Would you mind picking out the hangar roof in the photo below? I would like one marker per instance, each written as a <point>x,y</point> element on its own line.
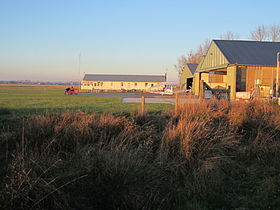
<point>125,77</point>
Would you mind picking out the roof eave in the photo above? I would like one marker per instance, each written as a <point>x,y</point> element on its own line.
<point>256,65</point>
<point>213,68</point>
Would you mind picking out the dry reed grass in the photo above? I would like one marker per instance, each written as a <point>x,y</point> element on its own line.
<point>211,155</point>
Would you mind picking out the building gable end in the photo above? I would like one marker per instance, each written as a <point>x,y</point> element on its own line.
<point>213,58</point>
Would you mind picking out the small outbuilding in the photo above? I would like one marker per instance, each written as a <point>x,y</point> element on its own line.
<point>239,67</point>
<point>126,82</point>
<point>186,77</point>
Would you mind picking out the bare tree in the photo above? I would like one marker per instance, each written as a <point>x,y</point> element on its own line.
<point>182,61</point>
<point>203,48</point>
<point>192,56</point>
<point>200,51</point>
<point>260,34</point>
<point>274,33</point>
<point>229,36</point>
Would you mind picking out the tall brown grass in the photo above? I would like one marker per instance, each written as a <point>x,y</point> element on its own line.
<point>209,155</point>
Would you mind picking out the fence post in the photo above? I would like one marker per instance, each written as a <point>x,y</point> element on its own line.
<point>228,93</point>
<point>22,139</point>
<point>143,105</point>
<point>176,103</point>
<point>201,86</point>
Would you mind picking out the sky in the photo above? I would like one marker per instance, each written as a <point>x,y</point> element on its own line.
<point>60,40</point>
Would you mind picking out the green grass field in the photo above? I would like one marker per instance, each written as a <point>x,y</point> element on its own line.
<point>14,89</point>
<point>25,100</point>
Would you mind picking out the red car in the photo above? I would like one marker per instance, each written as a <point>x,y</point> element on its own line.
<point>71,91</point>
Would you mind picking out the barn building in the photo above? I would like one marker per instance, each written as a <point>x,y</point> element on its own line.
<point>186,77</point>
<point>239,66</point>
<point>119,82</point>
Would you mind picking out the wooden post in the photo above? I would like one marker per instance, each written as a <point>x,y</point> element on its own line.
<point>22,138</point>
<point>228,93</point>
<point>143,105</point>
<point>231,80</point>
<point>201,86</point>
<point>176,103</point>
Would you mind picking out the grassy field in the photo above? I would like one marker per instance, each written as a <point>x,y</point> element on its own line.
<point>14,89</point>
<point>24,100</point>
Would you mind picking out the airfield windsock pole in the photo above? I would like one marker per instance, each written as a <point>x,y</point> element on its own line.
<point>277,76</point>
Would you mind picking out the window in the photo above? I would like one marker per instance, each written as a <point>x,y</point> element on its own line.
<point>241,79</point>
<point>135,84</point>
<point>146,84</point>
<point>95,84</point>
<point>121,83</point>
<point>111,83</point>
<point>216,77</point>
<point>152,85</point>
<point>101,83</point>
<point>211,76</point>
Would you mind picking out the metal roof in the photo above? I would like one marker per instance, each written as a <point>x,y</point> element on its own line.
<point>249,52</point>
<point>125,77</point>
<point>192,67</point>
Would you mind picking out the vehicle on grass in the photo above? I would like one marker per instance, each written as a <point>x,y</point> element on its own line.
<point>71,91</point>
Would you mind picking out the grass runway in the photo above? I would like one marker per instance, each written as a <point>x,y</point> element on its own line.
<point>26,100</point>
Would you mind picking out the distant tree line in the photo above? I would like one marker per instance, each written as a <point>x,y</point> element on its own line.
<point>29,82</point>
<point>261,33</point>
<point>266,33</point>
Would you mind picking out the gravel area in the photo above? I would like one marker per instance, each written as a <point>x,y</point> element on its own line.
<point>126,95</point>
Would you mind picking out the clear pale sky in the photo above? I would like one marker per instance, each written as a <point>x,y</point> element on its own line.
<point>42,39</point>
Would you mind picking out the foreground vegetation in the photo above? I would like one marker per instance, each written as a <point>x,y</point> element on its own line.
<point>211,155</point>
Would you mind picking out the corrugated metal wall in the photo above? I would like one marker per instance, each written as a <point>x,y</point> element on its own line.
<point>185,74</point>
<point>214,57</point>
<point>260,75</point>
